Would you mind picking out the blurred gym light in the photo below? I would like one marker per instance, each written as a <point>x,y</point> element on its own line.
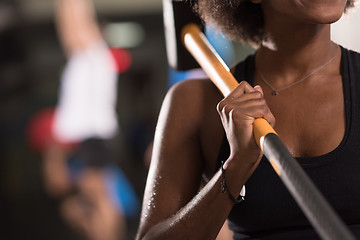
<point>124,34</point>
<point>7,16</point>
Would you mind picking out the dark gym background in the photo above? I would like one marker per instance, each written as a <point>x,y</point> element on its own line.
<point>31,61</point>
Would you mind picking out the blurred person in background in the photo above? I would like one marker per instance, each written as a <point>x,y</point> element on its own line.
<point>77,138</point>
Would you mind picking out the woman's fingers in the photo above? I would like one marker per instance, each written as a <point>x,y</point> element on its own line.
<point>259,89</point>
<point>268,116</point>
<point>246,102</point>
<point>243,87</point>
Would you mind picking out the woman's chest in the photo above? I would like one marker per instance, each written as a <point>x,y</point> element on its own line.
<point>310,123</point>
<point>269,205</point>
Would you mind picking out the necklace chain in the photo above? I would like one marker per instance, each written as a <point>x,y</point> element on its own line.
<point>276,91</point>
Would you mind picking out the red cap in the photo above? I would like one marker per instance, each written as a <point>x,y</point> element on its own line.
<point>40,130</point>
<point>122,59</point>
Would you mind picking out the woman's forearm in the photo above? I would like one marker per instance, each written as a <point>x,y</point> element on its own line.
<point>201,218</point>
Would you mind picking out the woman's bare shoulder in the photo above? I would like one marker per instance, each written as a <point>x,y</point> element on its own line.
<point>196,91</point>
<point>188,102</point>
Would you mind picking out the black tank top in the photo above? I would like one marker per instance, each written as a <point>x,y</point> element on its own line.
<point>269,211</point>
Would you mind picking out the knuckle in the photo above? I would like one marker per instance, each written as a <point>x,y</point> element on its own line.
<point>242,83</point>
<point>265,109</point>
<point>227,109</point>
<point>220,105</point>
<point>261,101</point>
<point>223,107</point>
<point>257,94</point>
<point>236,115</point>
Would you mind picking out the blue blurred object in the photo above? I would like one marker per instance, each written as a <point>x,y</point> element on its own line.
<point>177,76</point>
<point>122,192</point>
<point>222,45</point>
<point>95,153</point>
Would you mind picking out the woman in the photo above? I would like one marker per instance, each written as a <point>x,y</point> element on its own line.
<point>302,79</point>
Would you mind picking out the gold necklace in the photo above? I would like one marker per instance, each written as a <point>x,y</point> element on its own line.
<point>276,91</point>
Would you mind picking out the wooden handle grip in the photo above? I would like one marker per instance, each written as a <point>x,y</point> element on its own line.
<point>197,44</point>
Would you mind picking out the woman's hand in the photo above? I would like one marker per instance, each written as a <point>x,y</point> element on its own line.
<point>238,111</point>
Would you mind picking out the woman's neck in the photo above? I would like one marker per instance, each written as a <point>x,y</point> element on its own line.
<point>294,51</point>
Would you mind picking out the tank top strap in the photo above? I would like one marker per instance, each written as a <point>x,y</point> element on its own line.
<point>245,70</point>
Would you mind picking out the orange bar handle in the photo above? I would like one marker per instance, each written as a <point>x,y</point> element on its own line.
<point>216,69</point>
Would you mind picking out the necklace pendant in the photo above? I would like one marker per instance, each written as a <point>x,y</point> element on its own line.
<point>274,93</point>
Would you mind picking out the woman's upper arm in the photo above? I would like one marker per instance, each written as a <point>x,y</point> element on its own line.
<point>176,165</point>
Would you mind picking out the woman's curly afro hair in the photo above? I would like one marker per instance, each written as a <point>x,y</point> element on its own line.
<point>239,19</point>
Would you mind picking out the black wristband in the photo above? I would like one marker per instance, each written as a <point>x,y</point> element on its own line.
<point>224,187</point>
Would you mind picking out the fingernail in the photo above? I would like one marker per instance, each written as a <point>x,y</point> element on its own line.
<point>259,89</point>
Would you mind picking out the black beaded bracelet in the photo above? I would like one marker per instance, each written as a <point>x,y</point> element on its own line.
<point>224,187</point>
